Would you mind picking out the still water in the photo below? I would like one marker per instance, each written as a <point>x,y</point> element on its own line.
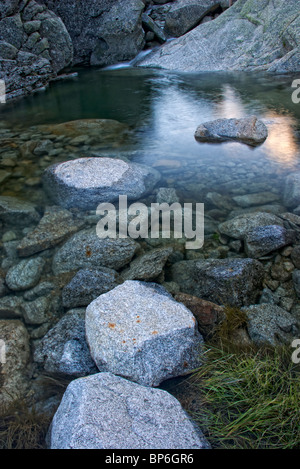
<point>163,110</point>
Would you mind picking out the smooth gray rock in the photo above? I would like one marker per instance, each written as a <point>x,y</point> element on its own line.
<point>291,194</point>
<point>14,211</point>
<point>56,225</point>
<point>26,274</point>
<point>248,130</point>
<point>87,285</point>
<point>239,226</point>
<point>259,198</point>
<point>86,182</point>
<point>265,239</point>
<point>63,350</point>
<point>37,312</point>
<point>102,32</point>
<point>140,332</point>
<point>255,35</point>
<point>270,324</point>
<point>149,266</point>
<point>104,411</point>
<point>86,250</point>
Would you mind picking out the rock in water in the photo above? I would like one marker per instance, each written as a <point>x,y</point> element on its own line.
<point>265,239</point>
<point>248,130</point>
<point>104,411</point>
<point>86,182</point>
<point>14,211</point>
<point>140,332</point>
<point>292,190</point>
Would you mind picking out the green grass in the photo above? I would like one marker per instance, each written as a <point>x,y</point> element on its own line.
<point>250,398</point>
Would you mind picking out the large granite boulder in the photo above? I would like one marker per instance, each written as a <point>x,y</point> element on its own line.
<point>248,130</point>
<point>140,332</point>
<point>103,32</point>
<point>104,411</point>
<point>86,182</point>
<point>251,35</point>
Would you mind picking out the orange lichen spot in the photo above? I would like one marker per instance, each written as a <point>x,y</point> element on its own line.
<point>154,332</point>
<point>124,342</point>
<point>138,321</point>
<point>185,364</point>
<point>88,251</point>
<point>133,340</point>
<point>111,325</point>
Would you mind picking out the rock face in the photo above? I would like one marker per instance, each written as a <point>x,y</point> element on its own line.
<point>248,130</point>
<point>86,250</point>
<point>104,411</point>
<point>251,35</point>
<point>270,324</point>
<point>102,32</point>
<point>63,350</point>
<point>35,46</point>
<point>139,332</point>
<point>184,15</point>
<point>86,182</point>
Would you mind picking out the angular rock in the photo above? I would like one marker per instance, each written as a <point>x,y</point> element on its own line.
<point>259,198</point>
<point>265,239</point>
<point>26,274</point>
<point>208,314</point>
<point>248,130</point>
<point>55,226</point>
<point>239,226</point>
<point>166,195</point>
<point>87,285</point>
<point>184,15</point>
<point>150,25</point>
<point>251,35</point>
<point>63,350</point>
<point>233,282</point>
<point>149,266</point>
<point>14,361</point>
<point>139,332</point>
<point>37,312</point>
<point>14,211</point>
<point>86,182</point>
<point>86,250</point>
<point>270,324</point>
<point>291,194</point>
<point>128,416</point>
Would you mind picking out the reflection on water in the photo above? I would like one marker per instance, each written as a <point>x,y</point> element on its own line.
<point>163,110</point>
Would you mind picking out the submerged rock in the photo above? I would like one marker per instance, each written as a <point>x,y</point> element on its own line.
<point>63,350</point>
<point>127,416</point>
<point>149,266</point>
<point>291,194</point>
<point>248,130</point>
<point>17,212</point>
<point>86,250</point>
<point>240,226</point>
<point>55,226</point>
<point>86,182</point>
<point>265,239</point>
<point>26,274</point>
<point>140,332</point>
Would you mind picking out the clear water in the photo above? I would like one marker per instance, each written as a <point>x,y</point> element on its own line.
<point>163,110</point>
